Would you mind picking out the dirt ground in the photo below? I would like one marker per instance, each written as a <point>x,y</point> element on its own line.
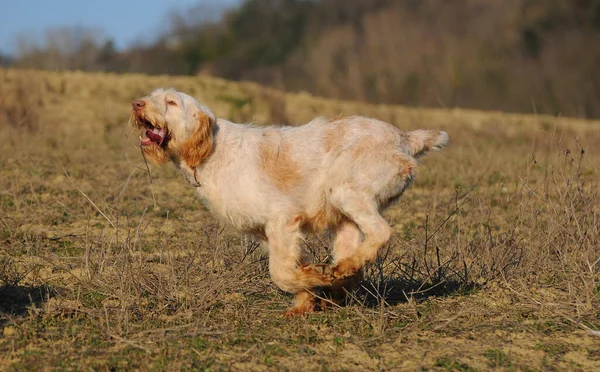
<point>107,264</point>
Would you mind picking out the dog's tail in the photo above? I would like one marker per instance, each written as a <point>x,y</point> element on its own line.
<point>419,142</point>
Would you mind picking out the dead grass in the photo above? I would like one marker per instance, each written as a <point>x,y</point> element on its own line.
<point>494,264</point>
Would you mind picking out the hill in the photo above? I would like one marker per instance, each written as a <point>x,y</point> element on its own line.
<point>531,56</point>
<point>107,265</point>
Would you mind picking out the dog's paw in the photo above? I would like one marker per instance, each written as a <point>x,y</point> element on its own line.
<point>295,312</point>
<point>346,268</point>
<point>304,303</point>
<point>318,275</point>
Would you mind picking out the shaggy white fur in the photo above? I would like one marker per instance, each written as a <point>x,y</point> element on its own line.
<point>279,183</point>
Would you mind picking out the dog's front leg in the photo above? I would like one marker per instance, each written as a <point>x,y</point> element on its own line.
<point>289,267</point>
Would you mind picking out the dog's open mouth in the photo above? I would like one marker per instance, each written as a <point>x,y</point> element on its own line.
<point>152,135</point>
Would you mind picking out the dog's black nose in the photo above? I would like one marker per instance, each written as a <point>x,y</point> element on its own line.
<point>138,104</point>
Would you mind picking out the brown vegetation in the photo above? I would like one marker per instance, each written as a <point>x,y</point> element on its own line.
<point>103,265</point>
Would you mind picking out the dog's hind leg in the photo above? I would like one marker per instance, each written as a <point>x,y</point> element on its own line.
<point>364,212</point>
<point>347,239</point>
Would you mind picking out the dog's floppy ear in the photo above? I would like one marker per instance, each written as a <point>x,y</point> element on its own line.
<point>199,146</point>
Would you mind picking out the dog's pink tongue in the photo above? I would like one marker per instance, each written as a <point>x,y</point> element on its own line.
<point>154,137</point>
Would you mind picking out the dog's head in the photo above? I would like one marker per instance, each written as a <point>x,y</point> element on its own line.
<point>173,126</point>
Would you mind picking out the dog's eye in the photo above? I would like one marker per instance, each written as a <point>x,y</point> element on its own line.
<point>171,103</point>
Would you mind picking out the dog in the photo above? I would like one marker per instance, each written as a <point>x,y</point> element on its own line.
<point>279,183</point>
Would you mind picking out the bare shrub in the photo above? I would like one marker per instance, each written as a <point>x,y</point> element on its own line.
<point>21,98</point>
<point>496,245</point>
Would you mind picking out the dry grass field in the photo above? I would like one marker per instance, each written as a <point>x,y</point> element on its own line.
<point>107,264</point>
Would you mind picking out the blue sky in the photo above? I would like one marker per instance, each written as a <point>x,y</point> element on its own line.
<point>125,21</point>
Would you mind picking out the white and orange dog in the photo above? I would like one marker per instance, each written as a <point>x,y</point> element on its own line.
<point>281,182</point>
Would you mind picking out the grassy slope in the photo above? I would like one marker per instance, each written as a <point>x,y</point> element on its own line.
<point>494,263</point>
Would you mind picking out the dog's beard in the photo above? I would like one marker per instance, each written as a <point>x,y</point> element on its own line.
<point>155,153</point>
<point>153,139</point>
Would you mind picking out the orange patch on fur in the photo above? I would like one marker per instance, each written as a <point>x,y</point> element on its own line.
<point>314,275</point>
<point>303,303</point>
<point>199,147</point>
<point>323,218</point>
<point>278,165</point>
<point>156,154</point>
<point>346,268</point>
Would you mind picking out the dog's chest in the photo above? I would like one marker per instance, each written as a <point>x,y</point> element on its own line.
<point>231,193</point>
<point>228,205</point>
<point>226,199</point>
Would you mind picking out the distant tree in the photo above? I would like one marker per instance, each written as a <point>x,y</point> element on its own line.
<point>5,60</point>
<point>62,48</point>
<point>519,55</point>
<point>107,52</point>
